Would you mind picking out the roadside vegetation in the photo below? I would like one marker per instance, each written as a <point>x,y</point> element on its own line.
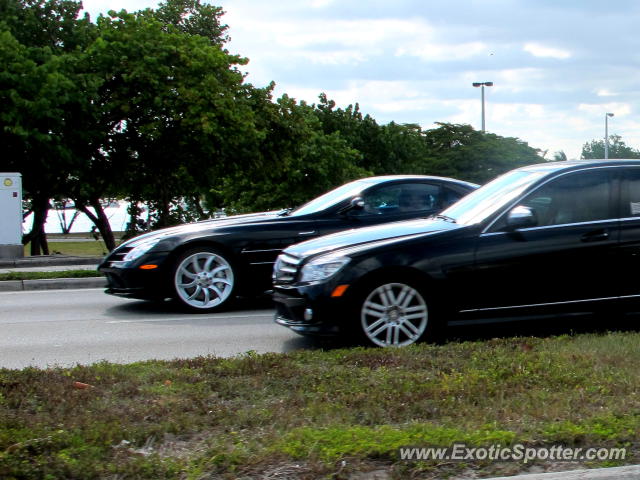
<point>315,414</point>
<point>45,275</point>
<point>77,249</point>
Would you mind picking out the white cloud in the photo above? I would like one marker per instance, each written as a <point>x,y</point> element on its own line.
<point>618,109</point>
<point>538,50</point>
<point>605,93</point>
<point>436,51</point>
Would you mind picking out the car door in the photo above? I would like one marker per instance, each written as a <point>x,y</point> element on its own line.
<point>391,203</point>
<point>629,250</point>
<point>567,258</point>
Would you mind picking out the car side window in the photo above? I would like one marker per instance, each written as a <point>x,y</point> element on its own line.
<point>402,198</point>
<point>631,196</point>
<point>573,198</point>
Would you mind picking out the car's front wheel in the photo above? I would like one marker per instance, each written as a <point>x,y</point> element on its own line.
<point>394,314</point>
<point>204,280</point>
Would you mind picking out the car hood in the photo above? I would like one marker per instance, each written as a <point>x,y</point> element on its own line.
<point>204,226</point>
<point>353,240</point>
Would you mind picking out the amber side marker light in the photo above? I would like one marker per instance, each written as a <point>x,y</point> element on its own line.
<point>339,290</point>
<point>147,267</point>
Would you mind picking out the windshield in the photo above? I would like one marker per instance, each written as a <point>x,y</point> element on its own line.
<point>478,205</point>
<point>332,197</point>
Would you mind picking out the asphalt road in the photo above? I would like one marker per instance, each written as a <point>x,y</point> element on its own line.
<point>67,327</point>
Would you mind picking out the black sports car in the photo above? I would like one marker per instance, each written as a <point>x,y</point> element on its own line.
<point>205,265</point>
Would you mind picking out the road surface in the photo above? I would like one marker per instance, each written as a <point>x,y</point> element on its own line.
<point>67,327</point>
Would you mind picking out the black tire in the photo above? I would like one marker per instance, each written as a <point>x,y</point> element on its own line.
<point>204,280</point>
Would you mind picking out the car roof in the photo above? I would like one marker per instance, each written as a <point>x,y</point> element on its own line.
<point>386,178</point>
<point>577,164</point>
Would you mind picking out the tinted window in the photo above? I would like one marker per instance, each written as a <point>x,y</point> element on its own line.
<point>403,198</point>
<point>573,198</point>
<point>631,206</point>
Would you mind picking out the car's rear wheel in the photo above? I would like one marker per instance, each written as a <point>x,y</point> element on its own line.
<point>204,280</point>
<point>394,314</point>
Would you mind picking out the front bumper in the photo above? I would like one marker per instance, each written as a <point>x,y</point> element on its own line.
<point>310,310</point>
<point>133,282</point>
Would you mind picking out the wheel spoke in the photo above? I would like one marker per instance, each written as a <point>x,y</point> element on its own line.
<point>396,335</point>
<point>416,308</point>
<point>195,293</point>
<point>410,296</point>
<point>409,334</point>
<point>375,306</point>
<point>187,285</point>
<point>208,262</point>
<point>373,313</point>
<point>216,291</point>
<point>391,295</point>
<point>206,299</point>
<point>384,327</point>
<point>375,324</point>
<point>403,294</point>
<point>414,316</point>
<point>415,329</point>
<point>196,265</point>
<point>219,269</point>
<point>221,280</point>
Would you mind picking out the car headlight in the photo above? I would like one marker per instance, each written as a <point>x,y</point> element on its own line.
<point>322,268</point>
<point>140,249</point>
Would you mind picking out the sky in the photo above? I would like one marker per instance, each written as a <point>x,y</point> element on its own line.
<point>558,66</point>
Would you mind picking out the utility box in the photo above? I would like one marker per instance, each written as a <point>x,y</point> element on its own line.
<point>11,215</point>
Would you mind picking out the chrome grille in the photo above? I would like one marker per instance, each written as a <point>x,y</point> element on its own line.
<point>286,268</point>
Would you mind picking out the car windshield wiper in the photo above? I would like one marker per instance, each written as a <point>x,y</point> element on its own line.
<point>284,212</point>
<point>445,218</point>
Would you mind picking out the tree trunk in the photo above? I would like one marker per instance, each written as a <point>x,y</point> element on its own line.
<point>37,236</point>
<point>100,220</point>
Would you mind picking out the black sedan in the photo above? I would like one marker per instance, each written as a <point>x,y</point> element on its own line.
<point>548,239</point>
<point>205,265</point>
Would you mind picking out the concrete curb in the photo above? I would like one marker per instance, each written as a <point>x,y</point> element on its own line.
<point>630,472</point>
<point>49,260</point>
<point>53,284</point>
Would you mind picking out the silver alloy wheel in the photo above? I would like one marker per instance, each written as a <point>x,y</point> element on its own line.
<point>204,280</point>
<point>394,314</point>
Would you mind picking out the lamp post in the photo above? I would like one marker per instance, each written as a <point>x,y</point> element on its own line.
<point>606,135</point>
<point>482,85</point>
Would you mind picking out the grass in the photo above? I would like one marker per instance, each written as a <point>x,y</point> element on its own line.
<point>45,275</point>
<point>95,248</point>
<point>320,414</point>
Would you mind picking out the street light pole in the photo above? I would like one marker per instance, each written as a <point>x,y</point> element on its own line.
<point>606,135</point>
<point>482,85</point>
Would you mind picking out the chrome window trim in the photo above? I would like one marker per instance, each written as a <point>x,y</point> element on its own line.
<point>262,263</point>
<point>547,227</point>
<point>514,204</point>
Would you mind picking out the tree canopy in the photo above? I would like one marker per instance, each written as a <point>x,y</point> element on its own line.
<point>151,107</point>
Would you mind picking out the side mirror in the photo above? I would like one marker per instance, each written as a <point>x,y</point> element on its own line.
<point>521,217</point>
<point>356,203</point>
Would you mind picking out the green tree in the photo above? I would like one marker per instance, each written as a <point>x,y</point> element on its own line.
<point>460,151</point>
<point>41,92</point>
<point>293,159</point>
<point>617,149</point>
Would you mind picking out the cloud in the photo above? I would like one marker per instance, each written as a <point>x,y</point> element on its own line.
<point>435,52</point>
<point>538,50</point>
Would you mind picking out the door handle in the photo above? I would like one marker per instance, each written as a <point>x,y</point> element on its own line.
<point>311,232</point>
<point>595,236</point>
